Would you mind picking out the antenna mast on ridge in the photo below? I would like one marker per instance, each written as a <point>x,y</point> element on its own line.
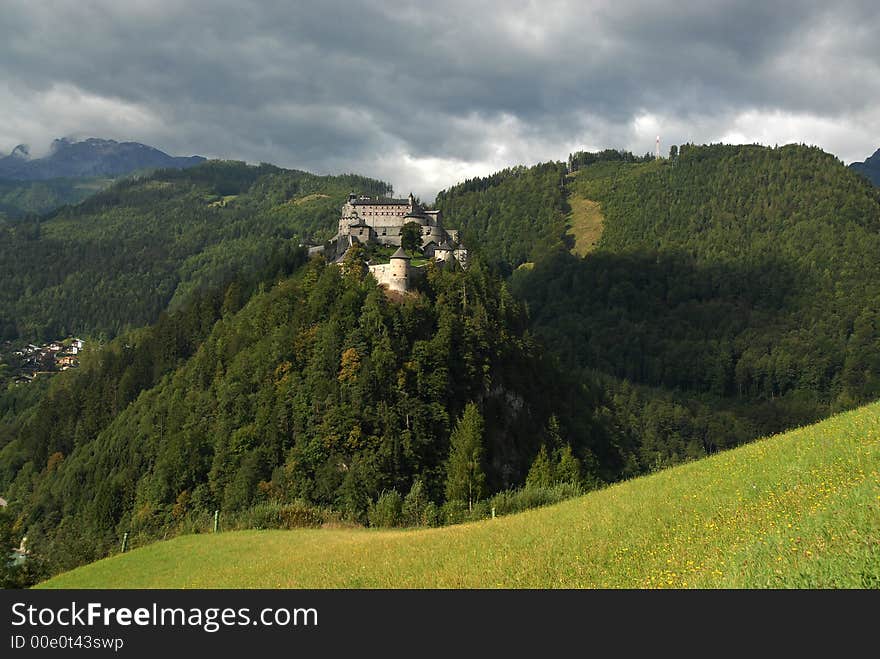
<point>657,150</point>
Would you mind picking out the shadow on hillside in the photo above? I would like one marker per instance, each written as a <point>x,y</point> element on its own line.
<point>661,318</point>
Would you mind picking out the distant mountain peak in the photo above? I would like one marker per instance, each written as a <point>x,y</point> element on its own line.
<point>22,151</point>
<point>870,168</point>
<point>90,157</point>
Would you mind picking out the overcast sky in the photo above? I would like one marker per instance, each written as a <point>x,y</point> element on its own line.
<point>425,94</point>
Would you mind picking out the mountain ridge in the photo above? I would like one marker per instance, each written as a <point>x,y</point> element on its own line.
<point>90,157</point>
<point>870,167</point>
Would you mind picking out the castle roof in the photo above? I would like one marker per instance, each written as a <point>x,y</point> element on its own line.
<point>444,246</point>
<point>380,202</point>
<point>400,254</point>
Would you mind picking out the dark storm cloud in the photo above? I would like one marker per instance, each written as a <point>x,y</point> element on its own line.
<point>425,94</point>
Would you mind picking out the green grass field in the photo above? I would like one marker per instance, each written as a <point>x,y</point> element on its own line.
<point>796,510</point>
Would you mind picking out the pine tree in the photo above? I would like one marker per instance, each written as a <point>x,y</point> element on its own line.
<point>568,467</point>
<point>465,479</point>
<point>541,471</point>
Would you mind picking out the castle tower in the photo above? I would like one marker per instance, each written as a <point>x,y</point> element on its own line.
<point>399,280</point>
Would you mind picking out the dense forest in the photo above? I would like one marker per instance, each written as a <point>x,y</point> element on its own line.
<point>520,215</point>
<point>732,295</point>
<point>19,199</point>
<point>742,280</point>
<point>514,216</point>
<point>319,390</point>
<point>124,255</point>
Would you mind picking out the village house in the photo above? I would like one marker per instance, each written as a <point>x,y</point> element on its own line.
<point>66,361</point>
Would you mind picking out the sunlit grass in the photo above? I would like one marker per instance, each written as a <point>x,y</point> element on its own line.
<point>585,224</point>
<point>224,200</point>
<point>796,510</point>
<point>309,197</point>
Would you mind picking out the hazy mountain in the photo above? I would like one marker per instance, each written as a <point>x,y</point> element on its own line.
<point>92,157</point>
<point>870,168</point>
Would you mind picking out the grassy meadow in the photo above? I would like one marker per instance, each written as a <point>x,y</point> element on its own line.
<point>585,224</point>
<point>798,510</point>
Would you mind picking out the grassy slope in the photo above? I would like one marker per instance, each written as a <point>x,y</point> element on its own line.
<point>797,510</point>
<point>585,224</point>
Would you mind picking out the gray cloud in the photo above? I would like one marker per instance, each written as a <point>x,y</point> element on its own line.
<point>424,94</point>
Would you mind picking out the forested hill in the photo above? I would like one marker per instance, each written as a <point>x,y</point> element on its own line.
<point>733,292</point>
<point>124,255</point>
<point>319,390</point>
<point>515,216</point>
<point>520,214</point>
<point>744,272</point>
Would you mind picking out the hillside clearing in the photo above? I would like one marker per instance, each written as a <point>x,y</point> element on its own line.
<point>309,197</point>
<point>796,510</point>
<point>224,200</point>
<point>585,224</point>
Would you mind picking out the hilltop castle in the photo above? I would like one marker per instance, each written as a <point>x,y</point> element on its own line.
<point>381,220</point>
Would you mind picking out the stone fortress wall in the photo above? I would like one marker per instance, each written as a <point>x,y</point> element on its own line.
<point>381,220</point>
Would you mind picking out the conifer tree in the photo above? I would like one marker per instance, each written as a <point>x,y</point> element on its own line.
<point>541,472</point>
<point>568,467</point>
<point>465,479</point>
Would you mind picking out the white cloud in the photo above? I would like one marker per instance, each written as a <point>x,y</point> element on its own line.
<point>71,112</point>
<point>424,94</point>
<point>849,138</point>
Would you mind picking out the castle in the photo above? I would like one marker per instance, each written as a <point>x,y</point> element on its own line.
<point>381,220</point>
